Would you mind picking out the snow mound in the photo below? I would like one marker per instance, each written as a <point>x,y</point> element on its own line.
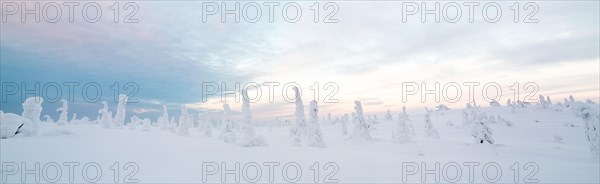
<point>12,124</point>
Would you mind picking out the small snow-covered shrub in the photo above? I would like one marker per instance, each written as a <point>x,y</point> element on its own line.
<point>430,131</point>
<point>63,112</point>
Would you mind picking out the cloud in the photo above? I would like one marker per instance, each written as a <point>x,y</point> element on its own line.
<point>369,53</point>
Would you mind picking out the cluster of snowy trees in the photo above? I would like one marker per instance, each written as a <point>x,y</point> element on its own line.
<point>304,132</point>
<point>311,130</point>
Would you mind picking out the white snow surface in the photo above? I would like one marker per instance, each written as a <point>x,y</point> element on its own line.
<point>553,140</point>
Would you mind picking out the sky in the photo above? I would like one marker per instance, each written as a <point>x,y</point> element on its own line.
<point>368,55</point>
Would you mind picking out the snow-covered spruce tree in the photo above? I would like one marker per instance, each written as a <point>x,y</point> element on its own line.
<point>494,103</point>
<point>74,119</point>
<point>345,124</point>
<point>571,99</point>
<point>48,119</point>
<point>247,136</point>
<point>430,131</point>
<point>184,122</point>
<point>442,107</point>
<point>105,115</point>
<point>173,125</point>
<point>301,129</point>
<point>32,109</point>
<point>315,137</point>
<point>543,102</point>
<point>146,124</point>
<point>227,130</point>
<point>164,119</point>
<point>402,133</point>
<point>481,132</point>
<point>509,103</point>
<point>592,125</point>
<point>329,120</point>
<point>205,124</point>
<point>404,114</point>
<point>63,119</point>
<point>133,123</point>
<point>548,101</point>
<point>388,115</point>
<point>119,120</point>
<point>361,128</point>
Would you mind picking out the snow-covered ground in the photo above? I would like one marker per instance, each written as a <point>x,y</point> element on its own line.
<point>543,145</point>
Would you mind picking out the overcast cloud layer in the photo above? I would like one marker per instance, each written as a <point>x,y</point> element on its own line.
<point>368,54</point>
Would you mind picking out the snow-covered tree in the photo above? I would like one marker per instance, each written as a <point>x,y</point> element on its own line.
<point>543,102</point>
<point>592,125</point>
<point>164,119</point>
<point>185,122</point>
<point>329,120</point>
<point>173,125</point>
<point>361,128</point>
<point>588,101</point>
<point>227,130</point>
<point>481,132</point>
<point>345,124</point>
<point>509,103</point>
<point>430,131</point>
<point>548,101</point>
<point>205,124</point>
<point>301,128</point>
<point>315,137</point>
<point>74,119</point>
<point>494,103</point>
<point>388,115</point>
<point>571,99</point>
<point>404,114</point>
<point>119,120</point>
<point>63,119</point>
<point>48,119</point>
<point>248,137</point>
<point>146,124</point>
<point>32,109</point>
<point>105,115</point>
<point>442,107</point>
<point>133,122</point>
<point>402,133</point>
